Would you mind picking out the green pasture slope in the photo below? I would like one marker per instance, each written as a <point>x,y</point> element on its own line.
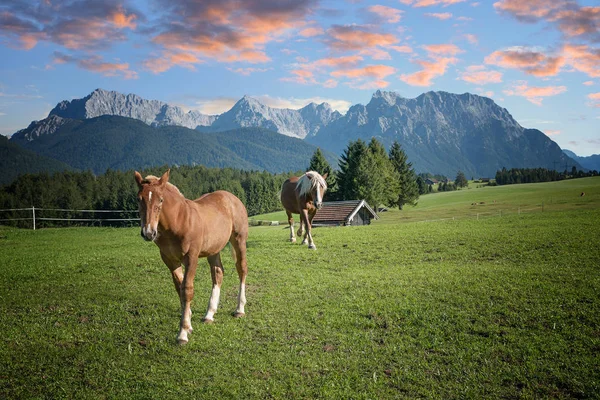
<point>500,307</point>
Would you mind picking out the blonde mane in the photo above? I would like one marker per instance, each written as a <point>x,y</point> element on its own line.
<point>309,181</point>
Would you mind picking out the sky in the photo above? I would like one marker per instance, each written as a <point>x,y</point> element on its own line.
<point>539,59</point>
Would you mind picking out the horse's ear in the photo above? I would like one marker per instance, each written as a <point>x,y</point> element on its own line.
<point>138,179</point>
<point>325,175</point>
<point>165,178</point>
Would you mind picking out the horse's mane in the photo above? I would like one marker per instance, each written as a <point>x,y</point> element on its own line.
<point>309,181</point>
<point>151,179</point>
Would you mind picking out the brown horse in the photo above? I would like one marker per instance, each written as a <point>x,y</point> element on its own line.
<point>185,230</point>
<point>303,195</point>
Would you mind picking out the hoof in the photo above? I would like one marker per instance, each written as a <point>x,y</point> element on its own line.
<point>293,240</point>
<point>182,342</point>
<point>239,314</point>
<point>312,247</point>
<point>208,321</point>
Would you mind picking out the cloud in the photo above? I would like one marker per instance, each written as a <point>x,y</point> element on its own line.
<point>583,58</point>
<point>440,16</point>
<point>248,71</point>
<point>387,14</point>
<point>443,49</point>
<point>588,83</point>
<point>528,61</point>
<point>595,99</point>
<point>229,30</point>
<point>215,106</point>
<point>369,77</point>
<point>440,57</point>
<point>552,132</point>
<point>471,38</point>
<point>75,25</point>
<point>95,63</point>
<point>355,37</point>
<point>479,75</point>
<point>534,94</point>
<point>571,19</point>
<point>297,103</point>
<point>311,31</point>
<point>429,3</point>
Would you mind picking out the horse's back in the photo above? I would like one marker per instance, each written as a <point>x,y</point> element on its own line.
<point>225,205</point>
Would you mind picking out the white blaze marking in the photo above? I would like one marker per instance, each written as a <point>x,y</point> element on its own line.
<point>318,194</point>
<point>149,196</point>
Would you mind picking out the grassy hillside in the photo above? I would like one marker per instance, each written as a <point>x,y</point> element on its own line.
<point>121,143</point>
<point>491,308</point>
<point>484,201</point>
<point>15,161</point>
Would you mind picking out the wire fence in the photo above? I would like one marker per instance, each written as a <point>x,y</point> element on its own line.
<point>34,217</point>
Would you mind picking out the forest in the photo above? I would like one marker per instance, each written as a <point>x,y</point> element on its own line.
<point>366,171</point>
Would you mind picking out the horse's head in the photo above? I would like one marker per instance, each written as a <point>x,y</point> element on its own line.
<point>150,198</point>
<point>315,187</point>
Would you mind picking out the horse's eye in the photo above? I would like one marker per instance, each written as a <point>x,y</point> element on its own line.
<point>161,199</point>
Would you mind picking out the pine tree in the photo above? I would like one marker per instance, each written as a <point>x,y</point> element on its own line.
<point>377,180</point>
<point>408,189</point>
<point>346,178</point>
<point>461,180</point>
<point>319,163</point>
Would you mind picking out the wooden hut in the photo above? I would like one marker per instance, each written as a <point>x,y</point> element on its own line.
<point>341,213</point>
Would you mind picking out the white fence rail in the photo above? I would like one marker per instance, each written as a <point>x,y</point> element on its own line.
<point>39,216</point>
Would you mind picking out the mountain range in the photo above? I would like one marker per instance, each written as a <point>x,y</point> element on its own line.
<point>440,132</point>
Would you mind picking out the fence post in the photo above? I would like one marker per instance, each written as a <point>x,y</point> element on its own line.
<point>33,212</point>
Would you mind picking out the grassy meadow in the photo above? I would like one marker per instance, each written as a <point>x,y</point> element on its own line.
<point>495,307</point>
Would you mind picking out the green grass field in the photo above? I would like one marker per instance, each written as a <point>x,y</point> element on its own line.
<point>500,307</point>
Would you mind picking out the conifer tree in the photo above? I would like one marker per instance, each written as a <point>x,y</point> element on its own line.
<point>319,163</point>
<point>408,189</point>
<point>461,180</point>
<point>349,161</point>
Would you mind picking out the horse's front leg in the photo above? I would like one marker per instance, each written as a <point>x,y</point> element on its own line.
<point>308,235</point>
<point>216,273</point>
<point>291,222</point>
<point>176,272</point>
<point>187,294</point>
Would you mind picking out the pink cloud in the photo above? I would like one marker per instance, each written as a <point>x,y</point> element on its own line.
<point>534,94</point>
<point>429,3</point>
<point>96,64</point>
<point>229,30</point>
<point>440,16</point>
<point>352,38</point>
<point>248,71</point>
<point>552,132</point>
<point>569,18</point>
<point>311,31</point>
<point>429,71</point>
<point>443,49</point>
<point>583,58</point>
<point>529,61</point>
<point>478,75</point>
<point>388,14</point>
<point>595,98</point>
<point>471,38</point>
<point>588,83</point>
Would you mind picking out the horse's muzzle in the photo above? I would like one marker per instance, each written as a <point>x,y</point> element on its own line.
<point>318,205</point>
<point>148,236</point>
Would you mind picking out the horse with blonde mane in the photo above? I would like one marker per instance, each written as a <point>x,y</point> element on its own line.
<point>185,230</point>
<point>303,195</point>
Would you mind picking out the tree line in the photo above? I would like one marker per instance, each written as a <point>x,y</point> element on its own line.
<point>366,171</point>
<point>535,175</point>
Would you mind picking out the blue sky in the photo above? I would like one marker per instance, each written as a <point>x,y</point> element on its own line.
<point>540,59</point>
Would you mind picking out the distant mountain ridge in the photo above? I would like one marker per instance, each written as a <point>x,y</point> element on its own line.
<point>590,162</point>
<point>441,132</point>
<point>152,112</point>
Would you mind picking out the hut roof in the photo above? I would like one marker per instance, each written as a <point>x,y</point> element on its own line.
<point>341,211</point>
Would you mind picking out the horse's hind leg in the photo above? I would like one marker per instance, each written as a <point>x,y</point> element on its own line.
<point>216,273</point>
<point>291,222</point>
<point>239,249</point>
